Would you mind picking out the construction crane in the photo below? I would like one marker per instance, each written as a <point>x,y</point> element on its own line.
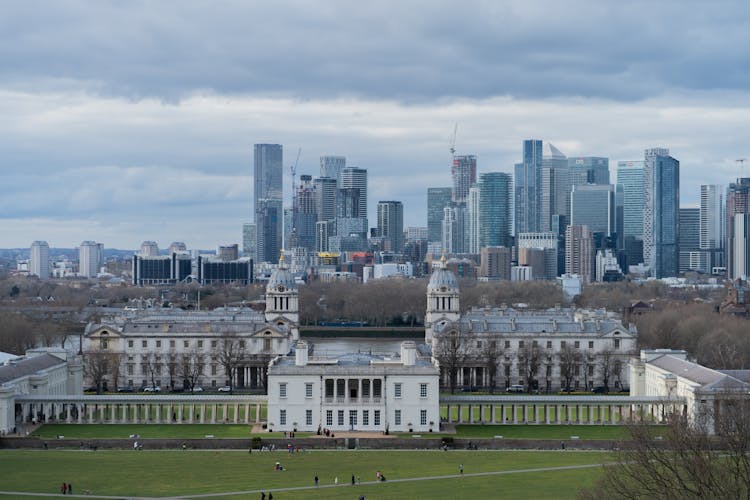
<point>741,161</point>
<point>293,168</point>
<point>453,140</point>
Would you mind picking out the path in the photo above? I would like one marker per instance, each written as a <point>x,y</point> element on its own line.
<point>301,488</point>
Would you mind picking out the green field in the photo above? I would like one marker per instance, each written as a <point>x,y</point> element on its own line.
<point>543,431</point>
<point>149,431</point>
<point>242,475</point>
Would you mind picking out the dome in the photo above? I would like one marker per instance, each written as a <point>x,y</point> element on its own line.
<point>281,277</point>
<point>442,278</point>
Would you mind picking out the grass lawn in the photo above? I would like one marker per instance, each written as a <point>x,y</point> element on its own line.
<point>177,431</point>
<point>165,473</point>
<point>542,431</point>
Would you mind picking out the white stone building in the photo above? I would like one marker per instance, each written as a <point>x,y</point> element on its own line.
<point>361,392</point>
<point>162,346</point>
<point>703,391</point>
<point>596,344</point>
<point>39,372</point>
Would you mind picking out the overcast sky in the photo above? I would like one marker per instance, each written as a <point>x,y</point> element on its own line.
<point>129,121</point>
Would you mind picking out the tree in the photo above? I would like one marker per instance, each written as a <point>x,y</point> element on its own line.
<point>570,358</point>
<point>231,353</point>
<point>173,365</point>
<point>685,459</point>
<point>98,365</point>
<point>153,364</point>
<point>451,350</point>
<point>191,368</point>
<point>491,354</point>
<point>606,360</point>
<point>529,360</point>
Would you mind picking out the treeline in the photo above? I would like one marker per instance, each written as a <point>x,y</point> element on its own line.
<point>19,332</point>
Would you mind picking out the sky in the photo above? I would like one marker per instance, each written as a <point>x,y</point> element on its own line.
<point>129,121</point>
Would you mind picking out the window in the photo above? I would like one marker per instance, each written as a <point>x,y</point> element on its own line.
<point>144,343</point>
<point>308,390</point>
<point>591,370</point>
<point>340,417</point>
<point>130,370</point>
<point>130,344</point>
<point>479,344</point>
<point>282,389</point>
<point>376,417</point>
<point>422,390</point>
<point>577,344</point>
<point>549,344</point>
<point>308,417</point>
<point>329,418</point>
<point>213,370</point>
<point>377,388</point>
<point>534,343</point>
<point>282,417</point>
<point>397,390</point>
<point>617,343</point>
<point>186,343</point>
<point>562,344</point>
<point>397,417</point>
<point>520,344</point>
<point>549,371</point>
<point>365,417</point>
<point>158,344</point>
<point>200,344</point>
<point>242,344</point>
<point>591,344</point>
<point>213,344</point>
<point>171,343</point>
<point>422,417</point>
<point>352,418</point>
<point>103,343</point>
<point>507,344</point>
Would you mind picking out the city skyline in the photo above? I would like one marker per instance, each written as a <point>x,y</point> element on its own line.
<point>122,126</point>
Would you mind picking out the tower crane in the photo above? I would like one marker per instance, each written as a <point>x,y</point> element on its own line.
<point>453,139</point>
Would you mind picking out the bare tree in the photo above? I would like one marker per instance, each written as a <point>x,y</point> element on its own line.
<point>98,365</point>
<point>570,358</point>
<point>451,350</point>
<point>684,460</point>
<point>491,354</point>
<point>529,360</point>
<point>231,353</point>
<point>605,360</point>
<point>153,364</point>
<point>173,366</point>
<point>191,367</point>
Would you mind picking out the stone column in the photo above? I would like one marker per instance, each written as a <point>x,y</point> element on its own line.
<point>257,413</point>
<point>203,414</point>
<point>514,409</point>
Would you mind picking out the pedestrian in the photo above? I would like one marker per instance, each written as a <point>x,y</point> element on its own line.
<point>353,483</point>
<point>562,445</point>
<point>359,480</point>
<point>336,481</point>
<point>270,496</point>
<point>184,446</point>
<point>461,469</point>
<point>70,489</point>
<point>316,479</point>
<point>262,495</point>
<point>64,488</point>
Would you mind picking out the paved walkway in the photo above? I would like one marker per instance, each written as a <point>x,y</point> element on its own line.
<point>302,488</point>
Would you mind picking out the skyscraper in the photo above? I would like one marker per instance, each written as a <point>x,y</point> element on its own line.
<point>464,175</point>
<point>248,240</point>
<point>475,225</point>
<point>738,229</point>
<point>593,206</point>
<point>661,218</point>
<point>437,199</point>
<point>90,258</point>
<point>690,239</point>
<point>269,190</point>
<point>494,209</point>
<point>579,252</point>
<point>332,166</point>
<point>631,176</point>
<point>588,170</point>
<point>527,175</point>
<point>39,260</point>
<point>554,186</point>
<point>305,215</point>
<point>391,224</point>
<point>713,223</point>
<point>325,198</point>
<point>356,178</point>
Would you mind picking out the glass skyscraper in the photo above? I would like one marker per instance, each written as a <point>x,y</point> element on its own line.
<point>494,209</point>
<point>269,191</point>
<point>661,221</point>
<point>527,175</point>
<point>593,206</point>
<point>437,199</point>
<point>391,224</point>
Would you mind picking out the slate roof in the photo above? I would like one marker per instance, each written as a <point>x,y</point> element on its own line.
<point>707,378</point>
<point>28,366</point>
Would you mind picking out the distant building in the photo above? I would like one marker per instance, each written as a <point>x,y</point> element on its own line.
<point>690,241</point>
<point>248,240</point>
<point>214,270</point>
<point>228,252</point>
<point>738,229</point>
<point>579,252</point>
<point>526,176</point>
<point>661,217</point>
<point>39,260</point>
<point>464,175</point>
<point>495,214</point>
<point>149,249</point>
<point>332,166</point>
<point>269,189</point>
<point>495,263</point>
<point>437,199</point>
<point>90,259</point>
<point>391,224</point>
<point>356,178</point>
<point>161,269</point>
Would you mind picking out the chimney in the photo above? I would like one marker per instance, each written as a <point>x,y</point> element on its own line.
<point>300,353</point>
<point>409,353</point>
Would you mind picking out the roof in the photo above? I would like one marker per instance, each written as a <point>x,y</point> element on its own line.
<point>707,378</point>
<point>353,364</point>
<point>28,366</point>
<point>6,356</point>
<point>550,151</point>
<point>442,278</point>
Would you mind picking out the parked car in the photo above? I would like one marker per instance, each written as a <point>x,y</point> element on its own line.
<point>125,389</point>
<point>197,389</point>
<point>152,389</point>
<point>225,388</point>
<point>516,388</point>
<point>602,389</point>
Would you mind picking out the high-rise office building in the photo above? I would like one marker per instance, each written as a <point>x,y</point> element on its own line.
<point>579,252</point>
<point>269,192</point>
<point>473,207</point>
<point>90,258</point>
<point>455,238</point>
<point>631,176</point>
<point>391,224</point>
<point>713,223</point>
<point>588,170</point>
<point>464,175</point>
<point>738,229</point>
<point>325,198</point>
<point>356,178</point>
<point>39,260</point>
<point>548,244</point>
<point>527,175</point>
<point>332,166</point>
<point>149,249</point>
<point>661,217</point>
<point>437,199</point>
<point>305,215</point>
<point>690,231</point>
<point>494,209</point>
<point>554,186</point>
<point>593,206</point>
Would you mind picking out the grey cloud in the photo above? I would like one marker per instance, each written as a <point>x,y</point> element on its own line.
<point>408,51</point>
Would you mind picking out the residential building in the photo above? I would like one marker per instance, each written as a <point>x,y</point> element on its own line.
<point>437,199</point>
<point>661,217</point>
<point>495,263</point>
<point>464,175</point>
<point>579,252</point>
<point>391,224</point>
<point>690,240</point>
<point>495,214</point>
<point>90,259</point>
<point>356,178</point>
<point>474,235</point>
<point>39,260</point>
<point>713,227</point>
<point>332,166</point>
<point>228,252</point>
<point>248,240</point>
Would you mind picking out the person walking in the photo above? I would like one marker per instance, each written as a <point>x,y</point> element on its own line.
<point>353,483</point>
<point>336,481</point>
<point>316,479</point>
<point>262,495</point>
<point>64,488</point>
<point>461,469</point>
<point>70,489</point>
